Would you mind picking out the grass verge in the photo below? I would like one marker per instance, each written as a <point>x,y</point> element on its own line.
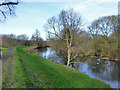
<point>30,70</point>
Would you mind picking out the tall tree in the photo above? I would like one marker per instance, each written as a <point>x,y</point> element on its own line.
<point>64,28</point>
<point>104,26</point>
<point>101,30</point>
<point>37,38</point>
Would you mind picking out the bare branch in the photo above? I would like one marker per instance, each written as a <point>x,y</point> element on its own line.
<point>9,8</point>
<point>55,34</point>
<point>3,13</point>
<point>74,56</point>
<point>9,3</point>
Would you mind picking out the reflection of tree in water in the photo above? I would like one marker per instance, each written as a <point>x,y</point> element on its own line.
<point>114,72</point>
<point>41,49</point>
<point>60,54</point>
<point>63,56</point>
<point>77,61</point>
<point>108,69</point>
<point>119,73</point>
<point>97,65</point>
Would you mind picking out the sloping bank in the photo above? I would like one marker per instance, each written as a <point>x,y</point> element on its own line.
<point>31,70</point>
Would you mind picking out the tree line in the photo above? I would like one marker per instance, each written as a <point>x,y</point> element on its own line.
<point>67,35</point>
<point>10,40</point>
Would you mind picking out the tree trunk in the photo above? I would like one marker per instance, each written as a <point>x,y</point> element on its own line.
<point>68,62</point>
<point>68,42</point>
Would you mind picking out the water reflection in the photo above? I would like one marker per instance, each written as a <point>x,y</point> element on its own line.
<point>104,70</point>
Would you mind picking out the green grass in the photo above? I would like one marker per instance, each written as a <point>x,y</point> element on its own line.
<point>31,70</point>
<point>4,50</point>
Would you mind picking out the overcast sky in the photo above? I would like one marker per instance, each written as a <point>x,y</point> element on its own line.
<point>33,15</point>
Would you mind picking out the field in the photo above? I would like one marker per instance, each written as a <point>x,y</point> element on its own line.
<point>29,70</point>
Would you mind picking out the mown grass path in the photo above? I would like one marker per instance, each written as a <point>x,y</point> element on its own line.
<point>6,55</point>
<point>32,71</point>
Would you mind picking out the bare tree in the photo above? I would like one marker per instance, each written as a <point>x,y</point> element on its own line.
<point>22,37</point>
<point>36,38</point>
<point>65,27</point>
<point>7,7</point>
<point>102,29</point>
<point>104,26</point>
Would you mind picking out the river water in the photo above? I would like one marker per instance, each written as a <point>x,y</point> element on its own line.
<point>104,70</point>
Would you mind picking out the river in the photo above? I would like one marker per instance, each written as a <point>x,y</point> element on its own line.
<point>104,70</point>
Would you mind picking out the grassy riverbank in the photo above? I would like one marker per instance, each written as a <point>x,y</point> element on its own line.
<point>30,70</point>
